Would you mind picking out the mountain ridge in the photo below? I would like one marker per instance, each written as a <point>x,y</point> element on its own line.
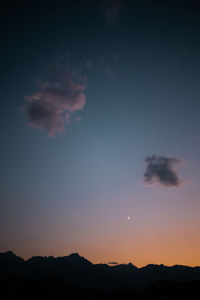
<point>10,253</point>
<point>77,270</point>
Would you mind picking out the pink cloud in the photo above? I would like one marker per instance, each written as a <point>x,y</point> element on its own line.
<point>160,169</point>
<point>51,106</point>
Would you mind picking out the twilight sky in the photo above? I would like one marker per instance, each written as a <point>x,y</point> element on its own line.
<point>100,131</point>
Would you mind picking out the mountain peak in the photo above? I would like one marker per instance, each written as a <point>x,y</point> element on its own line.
<point>130,265</point>
<point>75,254</point>
<point>76,257</point>
<point>7,253</point>
<point>10,258</point>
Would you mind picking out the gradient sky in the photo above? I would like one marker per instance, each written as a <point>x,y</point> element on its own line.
<point>83,189</point>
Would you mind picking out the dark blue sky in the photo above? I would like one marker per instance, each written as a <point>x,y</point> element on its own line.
<point>127,79</point>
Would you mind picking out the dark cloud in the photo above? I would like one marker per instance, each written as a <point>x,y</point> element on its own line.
<point>113,263</point>
<point>51,106</point>
<point>160,169</point>
<point>112,10</point>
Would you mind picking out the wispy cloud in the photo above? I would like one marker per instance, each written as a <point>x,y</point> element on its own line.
<point>160,169</point>
<point>51,106</point>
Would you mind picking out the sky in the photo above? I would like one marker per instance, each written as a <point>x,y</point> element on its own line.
<point>100,132</point>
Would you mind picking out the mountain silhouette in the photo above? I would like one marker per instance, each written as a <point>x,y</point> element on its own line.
<point>10,264</point>
<point>77,271</point>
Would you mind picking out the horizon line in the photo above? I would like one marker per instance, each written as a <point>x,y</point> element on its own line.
<point>108,264</point>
